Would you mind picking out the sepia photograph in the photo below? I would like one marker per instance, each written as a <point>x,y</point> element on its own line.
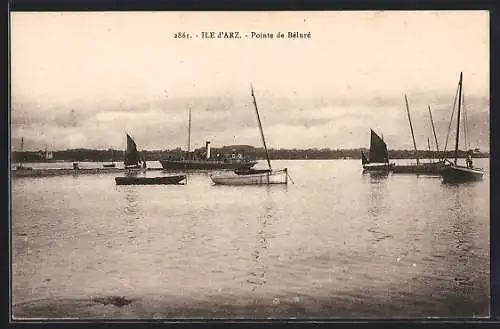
<point>249,165</point>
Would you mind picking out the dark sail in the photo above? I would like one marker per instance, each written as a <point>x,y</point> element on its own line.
<point>131,155</point>
<point>364,160</point>
<point>378,149</point>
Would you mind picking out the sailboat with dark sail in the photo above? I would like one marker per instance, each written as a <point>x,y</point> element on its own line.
<point>453,172</point>
<point>378,158</point>
<point>131,160</point>
<point>253,176</point>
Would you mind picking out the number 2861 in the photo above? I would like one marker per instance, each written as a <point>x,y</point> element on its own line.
<point>181,35</point>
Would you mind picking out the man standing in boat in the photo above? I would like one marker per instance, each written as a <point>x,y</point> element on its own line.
<point>469,159</point>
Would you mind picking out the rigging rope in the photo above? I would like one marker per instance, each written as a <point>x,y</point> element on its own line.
<point>451,119</point>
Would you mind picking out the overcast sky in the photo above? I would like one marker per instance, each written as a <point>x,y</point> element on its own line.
<point>83,79</point>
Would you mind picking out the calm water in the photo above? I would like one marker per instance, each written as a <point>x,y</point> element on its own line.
<point>334,244</point>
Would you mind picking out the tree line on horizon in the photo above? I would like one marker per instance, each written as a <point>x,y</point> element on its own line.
<point>95,155</point>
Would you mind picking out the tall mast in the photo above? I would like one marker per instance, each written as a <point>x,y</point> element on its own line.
<point>465,122</point>
<point>434,131</point>
<point>189,134</point>
<point>458,116</point>
<point>451,118</point>
<point>261,130</point>
<point>411,128</point>
<point>22,150</point>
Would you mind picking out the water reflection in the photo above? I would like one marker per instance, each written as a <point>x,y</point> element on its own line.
<point>378,208</point>
<point>132,210</point>
<point>257,277</point>
<point>461,251</point>
<point>376,177</point>
<point>189,235</point>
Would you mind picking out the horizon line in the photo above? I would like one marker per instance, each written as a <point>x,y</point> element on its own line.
<point>257,148</point>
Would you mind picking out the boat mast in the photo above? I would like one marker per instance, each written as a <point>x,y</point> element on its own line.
<point>126,151</point>
<point>458,117</point>
<point>261,130</point>
<point>465,123</point>
<point>451,119</point>
<point>22,151</point>
<point>434,131</point>
<point>411,128</point>
<point>429,145</point>
<point>189,135</point>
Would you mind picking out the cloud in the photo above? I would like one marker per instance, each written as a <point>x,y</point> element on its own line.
<point>230,119</point>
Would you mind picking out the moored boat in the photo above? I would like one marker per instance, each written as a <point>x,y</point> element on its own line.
<point>453,172</point>
<point>457,174</point>
<point>21,166</point>
<point>378,158</point>
<point>112,164</point>
<point>160,180</point>
<point>253,176</point>
<point>131,160</point>
<point>265,177</point>
<point>208,162</point>
<point>429,168</point>
<point>250,171</point>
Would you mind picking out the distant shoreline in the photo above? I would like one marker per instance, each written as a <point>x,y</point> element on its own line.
<point>93,155</point>
<point>259,159</point>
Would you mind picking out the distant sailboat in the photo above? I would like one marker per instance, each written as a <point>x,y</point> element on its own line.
<point>112,164</point>
<point>254,176</point>
<point>20,166</point>
<point>131,160</point>
<point>454,173</point>
<point>378,158</point>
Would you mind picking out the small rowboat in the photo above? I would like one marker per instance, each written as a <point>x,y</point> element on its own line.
<point>161,180</point>
<point>251,171</point>
<point>264,178</point>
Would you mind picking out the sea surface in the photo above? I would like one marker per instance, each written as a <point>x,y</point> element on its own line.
<point>335,244</point>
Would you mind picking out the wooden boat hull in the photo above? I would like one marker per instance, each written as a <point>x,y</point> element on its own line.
<point>424,168</point>
<point>378,167</point>
<point>20,168</point>
<point>205,165</point>
<point>162,180</point>
<point>110,165</point>
<point>269,178</point>
<point>457,174</point>
<point>250,171</point>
